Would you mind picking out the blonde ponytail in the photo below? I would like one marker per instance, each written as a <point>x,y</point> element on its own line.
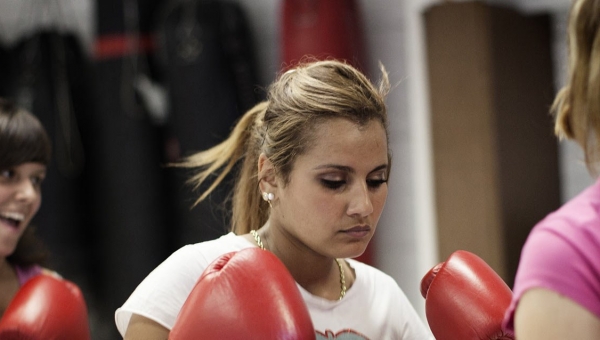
<point>221,159</point>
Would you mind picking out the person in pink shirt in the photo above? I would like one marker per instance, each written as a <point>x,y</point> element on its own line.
<point>556,293</point>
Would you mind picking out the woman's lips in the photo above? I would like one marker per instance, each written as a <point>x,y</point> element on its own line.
<point>11,224</point>
<point>358,232</point>
<point>11,220</point>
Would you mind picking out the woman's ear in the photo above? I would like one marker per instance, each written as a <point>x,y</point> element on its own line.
<point>267,180</point>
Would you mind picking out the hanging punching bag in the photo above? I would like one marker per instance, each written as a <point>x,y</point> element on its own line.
<point>205,53</point>
<point>130,214</point>
<point>324,30</point>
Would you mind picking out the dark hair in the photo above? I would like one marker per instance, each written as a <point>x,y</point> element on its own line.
<point>23,139</point>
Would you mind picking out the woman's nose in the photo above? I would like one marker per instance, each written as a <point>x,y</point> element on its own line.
<point>26,190</point>
<point>361,203</point>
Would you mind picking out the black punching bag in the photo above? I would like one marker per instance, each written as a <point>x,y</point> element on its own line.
<point>205,52</point>
<point>130,210</point>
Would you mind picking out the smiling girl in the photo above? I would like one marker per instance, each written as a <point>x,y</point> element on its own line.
<point>24,155</point>
<point>35,303</point>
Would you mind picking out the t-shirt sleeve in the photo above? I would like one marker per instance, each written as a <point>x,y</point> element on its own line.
<point>563,258</point>
<point>162,293</point>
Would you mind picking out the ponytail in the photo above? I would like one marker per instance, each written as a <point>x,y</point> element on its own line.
<point>221,159</point>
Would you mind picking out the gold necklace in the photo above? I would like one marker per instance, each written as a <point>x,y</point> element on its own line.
<point>338,261</point>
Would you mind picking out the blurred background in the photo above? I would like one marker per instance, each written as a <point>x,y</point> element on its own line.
<point>126,86</point>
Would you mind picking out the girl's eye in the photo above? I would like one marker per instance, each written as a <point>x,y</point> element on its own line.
<point>332,184</point>
<point>7,173</point>
<point>37,180</point>
<point>376,183</point>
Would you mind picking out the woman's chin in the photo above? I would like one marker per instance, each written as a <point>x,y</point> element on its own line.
<point>354,253</point>
<point>5,253</point>
<point>7,247</point>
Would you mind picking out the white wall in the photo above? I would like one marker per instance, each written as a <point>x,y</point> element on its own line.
<point>405,239</point>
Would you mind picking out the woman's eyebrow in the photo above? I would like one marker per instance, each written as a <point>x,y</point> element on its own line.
<point>347,168</point>
<point>335,166</point>
<point>380,167</point>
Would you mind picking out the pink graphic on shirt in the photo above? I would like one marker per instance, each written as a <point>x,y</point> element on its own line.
<point>346,334</point>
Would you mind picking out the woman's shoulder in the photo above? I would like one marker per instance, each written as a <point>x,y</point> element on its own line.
<point>575,225</point>
<point>173,280</point>
<point>581,211</point>
<point>561,243</point>
<point>574,228</point>
<point>211,249</point>
<point>561,252</point>
<point>191,259</point>
<point>26,273</point>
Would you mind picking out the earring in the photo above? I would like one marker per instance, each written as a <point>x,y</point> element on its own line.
<point>268,196</point>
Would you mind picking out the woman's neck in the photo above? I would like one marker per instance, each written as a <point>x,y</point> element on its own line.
<point>9,284</point>
<point>318,274</point>
<point>6,269</point>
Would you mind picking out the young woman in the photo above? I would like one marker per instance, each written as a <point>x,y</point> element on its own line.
<point>35,303</point>
<point>311,185</point>
<point>24,155</point>
<point>557,287</point>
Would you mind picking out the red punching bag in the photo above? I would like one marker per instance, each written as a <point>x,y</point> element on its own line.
<point>324,29</point>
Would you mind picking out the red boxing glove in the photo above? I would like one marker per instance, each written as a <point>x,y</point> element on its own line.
<point>465,299</point>
<point>46,308</point>
<point>244,295</point>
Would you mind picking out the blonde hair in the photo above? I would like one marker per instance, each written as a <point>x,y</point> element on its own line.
<point>577,105</point>
<point>281,128</point>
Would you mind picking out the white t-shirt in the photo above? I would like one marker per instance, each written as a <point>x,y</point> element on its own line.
<point>374,307</point>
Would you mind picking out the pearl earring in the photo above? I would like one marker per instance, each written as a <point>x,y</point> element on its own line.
<point>268,196</point>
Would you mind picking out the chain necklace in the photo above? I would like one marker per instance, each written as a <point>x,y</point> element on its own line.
<point>338,261</point>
